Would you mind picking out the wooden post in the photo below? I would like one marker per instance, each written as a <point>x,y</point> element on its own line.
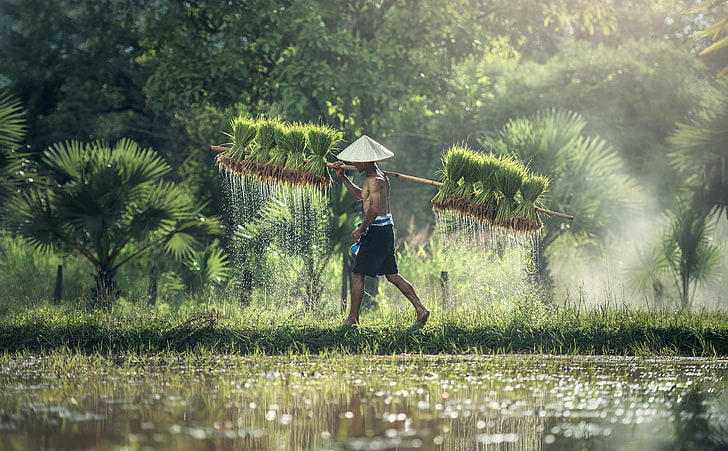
<point>444,278</point>
<point>153,281</point>
<point>58,294</point>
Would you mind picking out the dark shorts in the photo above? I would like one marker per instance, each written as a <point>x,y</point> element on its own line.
<point>376,252</point>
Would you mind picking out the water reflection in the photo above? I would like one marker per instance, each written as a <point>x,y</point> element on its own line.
<point>366,403</point>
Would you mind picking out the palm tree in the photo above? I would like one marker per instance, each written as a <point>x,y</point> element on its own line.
<point>691,257</point>
<point>12,132</point>
<point>700,153</point>
<point>683,253</point>
<point>111,206</point>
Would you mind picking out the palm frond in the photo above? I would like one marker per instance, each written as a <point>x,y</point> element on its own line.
<point>12,122</point>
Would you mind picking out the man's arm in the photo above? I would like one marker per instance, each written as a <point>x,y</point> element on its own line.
<point>351,187</point>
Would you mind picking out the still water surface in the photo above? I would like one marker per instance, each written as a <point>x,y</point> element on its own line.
<point>187,402</point>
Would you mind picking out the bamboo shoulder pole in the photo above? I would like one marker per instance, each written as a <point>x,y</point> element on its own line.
<point>554,213</point>
<point>416,179</point>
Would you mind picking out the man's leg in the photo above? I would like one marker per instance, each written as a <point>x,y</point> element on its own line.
<point>409,292</point>
<point>357,294</point>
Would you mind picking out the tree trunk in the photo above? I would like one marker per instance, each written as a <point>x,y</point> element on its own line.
<point>153,282</point>
<point>246,287</point>
<point>444,280</point>
<point>105,289</point>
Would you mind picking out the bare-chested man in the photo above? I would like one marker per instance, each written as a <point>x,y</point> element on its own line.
<point>375,234</point>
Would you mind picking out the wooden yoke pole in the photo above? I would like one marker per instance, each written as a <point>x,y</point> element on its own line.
<point>416,179</point>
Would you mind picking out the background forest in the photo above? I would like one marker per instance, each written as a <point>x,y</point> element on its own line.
<point>619,102</point>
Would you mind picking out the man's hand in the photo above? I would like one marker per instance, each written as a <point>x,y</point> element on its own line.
<point>338,167</point>
<point>356,234</point>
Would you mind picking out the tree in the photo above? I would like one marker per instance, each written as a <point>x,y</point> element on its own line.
<point>74,66</point>
<point>700,153</point>
<point>344,210</point>
<point>617,90</point>
<point>684,253</point>
<point>12,131</point>
<point>290,228</point>
<point>690,255</point>
<point>111,206</point>
<point>300,56</point>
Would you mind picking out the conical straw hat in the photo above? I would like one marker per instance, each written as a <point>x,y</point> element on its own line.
<point>365,149</point>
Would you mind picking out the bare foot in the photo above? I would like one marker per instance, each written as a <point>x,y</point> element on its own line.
<point>422,318</point>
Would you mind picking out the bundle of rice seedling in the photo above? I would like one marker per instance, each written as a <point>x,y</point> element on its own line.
<point>470,170</point>
<point>244,130</point>
<point>485,201</point>
<point>278,153</point>
<point>455,163</point>
<point>255,163</point>
<point>533,187</point>
<point>322,140</point>
<point>294,141</point>
<point>508,180</point>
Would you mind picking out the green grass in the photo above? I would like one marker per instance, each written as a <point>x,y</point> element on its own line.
<point>223,327</point>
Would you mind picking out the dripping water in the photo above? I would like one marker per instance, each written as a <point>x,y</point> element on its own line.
<point>499,264</point>
<point>279,235</point>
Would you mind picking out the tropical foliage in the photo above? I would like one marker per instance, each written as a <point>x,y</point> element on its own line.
<point>110,205</point>
<point>716,33</point>
<point>701,155</point>
<point>169,75</point>
<point>684,255</point>
<point>12,131</point>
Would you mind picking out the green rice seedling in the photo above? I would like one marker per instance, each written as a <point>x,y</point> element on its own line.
<point>466,188</point>
<point>254,163</point>
<point>485,201</point>
<point>278,153</point>
<point>294,141</point>
<point>532,189</point>
<point>508,180</point>
<point>245,130</point>
<point>454,163</point>
<point>322,141</point>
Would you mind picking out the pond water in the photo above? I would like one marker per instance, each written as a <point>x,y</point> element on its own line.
<point>336,402</point>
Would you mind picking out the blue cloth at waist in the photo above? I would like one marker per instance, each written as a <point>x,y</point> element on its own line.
<point>382,220</point>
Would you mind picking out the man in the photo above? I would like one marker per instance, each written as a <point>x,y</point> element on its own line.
<point>375,234</point>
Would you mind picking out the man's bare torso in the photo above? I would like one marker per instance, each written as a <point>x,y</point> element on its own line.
<point>375,194</point>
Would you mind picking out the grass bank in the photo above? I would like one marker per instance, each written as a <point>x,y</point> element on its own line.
<point>227,328</point>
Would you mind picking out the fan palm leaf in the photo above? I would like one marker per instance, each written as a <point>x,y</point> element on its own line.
<point>12,132</point>
<point>700,154</point>
<point>111,207</point>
